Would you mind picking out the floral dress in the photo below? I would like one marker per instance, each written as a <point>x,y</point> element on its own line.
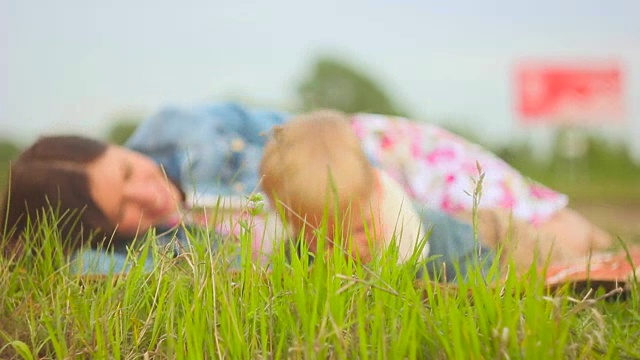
<point>441,170</point>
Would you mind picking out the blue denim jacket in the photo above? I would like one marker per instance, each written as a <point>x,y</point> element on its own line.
<point>211,150</point>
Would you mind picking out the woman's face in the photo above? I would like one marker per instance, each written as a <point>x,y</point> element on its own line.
<point>132,190</point>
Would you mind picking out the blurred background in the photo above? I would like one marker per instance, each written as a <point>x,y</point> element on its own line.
<point>553,87</point>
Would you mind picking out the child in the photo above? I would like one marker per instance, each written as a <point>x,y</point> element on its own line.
<point>315,168</point>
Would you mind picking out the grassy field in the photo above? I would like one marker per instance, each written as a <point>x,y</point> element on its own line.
<point>198,305</point>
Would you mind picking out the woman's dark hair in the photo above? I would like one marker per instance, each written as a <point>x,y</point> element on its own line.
<point>48,178</point>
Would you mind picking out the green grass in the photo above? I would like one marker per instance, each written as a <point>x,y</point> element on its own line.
<point>197,306</point>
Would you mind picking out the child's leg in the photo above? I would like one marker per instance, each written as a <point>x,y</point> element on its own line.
<point>577,234</point>
<point>564,237</point>
<point>522,244</point>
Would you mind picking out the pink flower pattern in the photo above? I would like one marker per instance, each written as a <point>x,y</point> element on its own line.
<point>440,169</point>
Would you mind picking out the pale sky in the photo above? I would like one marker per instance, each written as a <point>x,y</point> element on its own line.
<point>75,65</point>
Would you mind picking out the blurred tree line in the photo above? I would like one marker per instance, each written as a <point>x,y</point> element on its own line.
<point>603,170</point>
<point>333,84</point>
<point>8,151</point>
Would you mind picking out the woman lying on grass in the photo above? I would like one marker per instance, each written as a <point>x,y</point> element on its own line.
<point>104,195</point>
<point>209,156</point>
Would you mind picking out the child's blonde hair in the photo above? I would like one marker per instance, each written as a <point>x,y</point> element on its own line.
<point>314,164</point>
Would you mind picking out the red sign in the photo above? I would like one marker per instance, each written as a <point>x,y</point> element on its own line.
<point>566,93</point>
